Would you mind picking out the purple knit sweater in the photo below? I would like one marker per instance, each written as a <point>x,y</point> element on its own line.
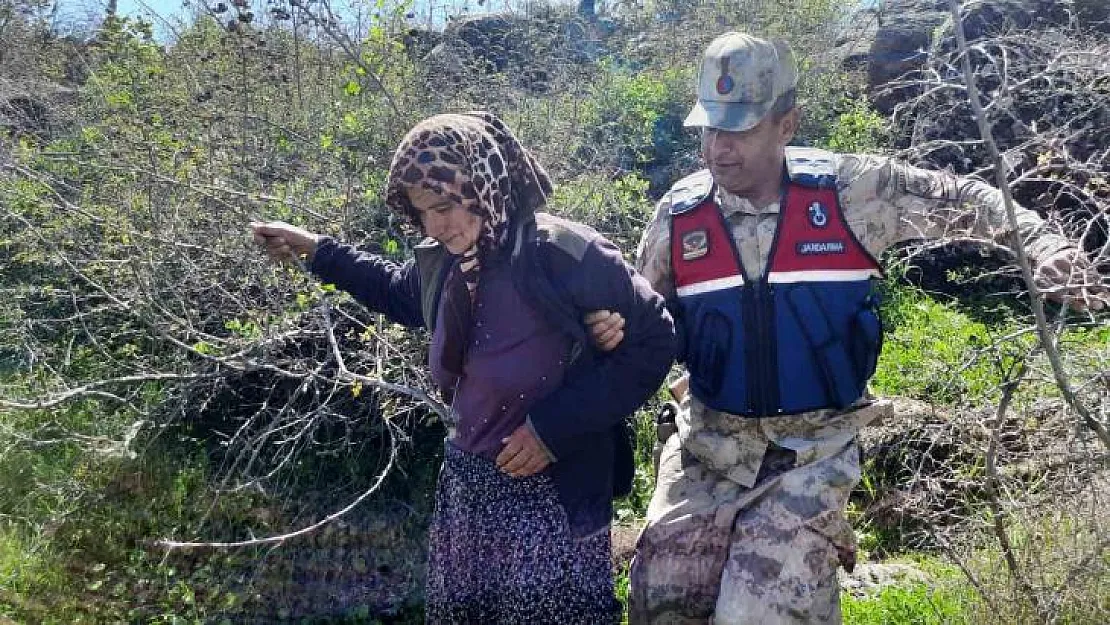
<point>515,357</point>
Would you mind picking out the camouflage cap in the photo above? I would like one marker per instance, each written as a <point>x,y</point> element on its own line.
<point>741,77</point>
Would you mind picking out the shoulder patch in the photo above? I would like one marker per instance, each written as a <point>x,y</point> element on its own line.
<point>690,192</point>
<point>811,167</point>
<point>570,237</point>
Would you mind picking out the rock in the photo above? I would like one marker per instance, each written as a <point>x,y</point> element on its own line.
<point>941,268</point>
<point>32,106</point>
<point>903,37</point>
<point>1052,124</point>
<point>420,41</point>
<point>487,37</point>
<point>924,473</point>
<point>918,447</point>
<point>449,59</point>
<point>852,52</point>
<point>528,50</point>
<point>907,30</point>
<point>623,539</point>
<point>869,578</point>
<point>1095,13</point>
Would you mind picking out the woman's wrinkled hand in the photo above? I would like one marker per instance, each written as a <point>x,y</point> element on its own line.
<point>523,454</point>
<point>284,242</point>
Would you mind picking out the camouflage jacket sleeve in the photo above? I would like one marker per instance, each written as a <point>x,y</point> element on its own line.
<point>653,261</point>
<point>653,255</point>
<point>887,201</point>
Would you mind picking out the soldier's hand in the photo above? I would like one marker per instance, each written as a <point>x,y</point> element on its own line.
<point>523,454</point>
<point>283,241</point>
<point>606,329</point>
<point>1068,277</point>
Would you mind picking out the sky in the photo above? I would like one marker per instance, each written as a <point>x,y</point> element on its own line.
<point>174,7</point>
<point>172,11</point>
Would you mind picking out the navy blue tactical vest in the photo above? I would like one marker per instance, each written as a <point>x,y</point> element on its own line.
<point>803,336</point>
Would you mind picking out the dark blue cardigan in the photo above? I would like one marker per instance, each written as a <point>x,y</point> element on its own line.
<point>564,270</point>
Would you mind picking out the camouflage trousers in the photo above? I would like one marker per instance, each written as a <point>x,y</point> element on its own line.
<point>714,551</point>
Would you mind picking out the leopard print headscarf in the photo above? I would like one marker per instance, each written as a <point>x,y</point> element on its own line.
<point>474,160</point>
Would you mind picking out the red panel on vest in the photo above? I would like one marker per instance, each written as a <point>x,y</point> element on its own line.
<point>814,237</point>
<point>701,248</point>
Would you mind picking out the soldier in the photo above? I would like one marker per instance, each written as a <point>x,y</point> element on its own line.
<point>768,260</point>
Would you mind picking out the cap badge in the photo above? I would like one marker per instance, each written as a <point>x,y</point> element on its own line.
<point>725,82</point>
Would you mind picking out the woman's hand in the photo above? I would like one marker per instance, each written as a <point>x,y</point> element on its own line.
<point>523,454</point>
<point>606,329</point>
<point>283,241</point>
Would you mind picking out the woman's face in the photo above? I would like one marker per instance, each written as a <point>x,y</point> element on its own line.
<point>445,221</point>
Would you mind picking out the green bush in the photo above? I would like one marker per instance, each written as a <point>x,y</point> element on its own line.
<point>636,112</point>
<point>618,208</point>
<point>857,128</point>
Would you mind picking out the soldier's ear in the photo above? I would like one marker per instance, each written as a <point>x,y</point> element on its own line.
<point>788,125</point>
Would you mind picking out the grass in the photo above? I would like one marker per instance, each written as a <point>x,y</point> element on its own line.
<point>916,604</point>
<point>1061,552</point>
<point>29,568</point>
<point>621,586</point>
<point>958,352</point>
<point>84,561</point>
<point>935,350</point>
<point>77,525</point>
<point>946,600</point>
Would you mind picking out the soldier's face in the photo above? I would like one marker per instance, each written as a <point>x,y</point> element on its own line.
<point>749,163</point>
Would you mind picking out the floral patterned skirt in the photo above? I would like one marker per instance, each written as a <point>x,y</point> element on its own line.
<point>501,552</point>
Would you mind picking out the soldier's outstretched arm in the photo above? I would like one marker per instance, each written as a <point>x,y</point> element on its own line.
<point>887,201</point>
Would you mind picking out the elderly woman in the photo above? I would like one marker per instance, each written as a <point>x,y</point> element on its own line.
<point>538,446</point>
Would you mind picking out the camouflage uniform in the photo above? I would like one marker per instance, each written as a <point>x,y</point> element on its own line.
<point>747,521</point>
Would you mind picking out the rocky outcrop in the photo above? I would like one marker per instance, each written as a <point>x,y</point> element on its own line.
<point>903,37</point>
<point>489,37</point>
<point>895,42</point>
<point>869,578</point>
<point>420,41</point>
<point>526,49</point>
<point>32,106</point>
